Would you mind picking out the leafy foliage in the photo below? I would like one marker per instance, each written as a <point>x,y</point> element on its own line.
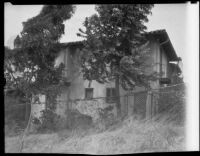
<point>115,43</point>
<point>30,65</point>
<point>172,103</point>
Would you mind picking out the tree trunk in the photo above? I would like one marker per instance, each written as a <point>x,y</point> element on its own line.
<point>68,103</point>
<point>26,131</point>
<point>118,105</point>
<point>26,113</point>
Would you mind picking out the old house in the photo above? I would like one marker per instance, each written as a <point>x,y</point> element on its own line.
<point>87,96</point>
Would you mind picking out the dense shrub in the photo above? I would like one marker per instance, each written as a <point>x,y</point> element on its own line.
<point>171,102</point>
<point>48,121</point>
<point>51,121</point>
<point>15,112</point>
<point>106,118</point>
<point>75,119</point>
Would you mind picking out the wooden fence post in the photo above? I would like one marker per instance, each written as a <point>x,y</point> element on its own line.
<point>148,105</point>
<point>130,104</point>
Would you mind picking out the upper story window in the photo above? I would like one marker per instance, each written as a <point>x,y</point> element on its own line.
<point>164,81</point>
<point>88,93</point>
<point>110,95</point>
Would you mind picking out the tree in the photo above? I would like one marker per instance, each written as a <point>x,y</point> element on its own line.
<point>30,65</point>
<point>115,46</point>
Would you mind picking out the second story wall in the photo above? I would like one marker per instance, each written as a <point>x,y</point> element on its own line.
<point>164,63</point>
<point>153,61</point>
<point>71,59</point>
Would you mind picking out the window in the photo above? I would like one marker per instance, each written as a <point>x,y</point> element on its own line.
<point>164,81</point>
<point>110,95</point>
<point>88,93</point>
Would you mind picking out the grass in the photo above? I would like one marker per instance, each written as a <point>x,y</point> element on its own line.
<point>129,136</point>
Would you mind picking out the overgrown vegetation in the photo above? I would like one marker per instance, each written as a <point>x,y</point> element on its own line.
<point>114,49</point>
<point>112,40</point>
<point>16,110</point>
<point>163,133</point>
<point>172,103</point>
<point>129,136</point>
<point>29,67</point>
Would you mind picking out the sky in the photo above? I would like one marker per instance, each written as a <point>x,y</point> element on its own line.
<point>172,17</point>
<point>181,22</point>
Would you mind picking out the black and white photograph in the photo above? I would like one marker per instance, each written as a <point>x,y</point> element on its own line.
<point>101,79</point>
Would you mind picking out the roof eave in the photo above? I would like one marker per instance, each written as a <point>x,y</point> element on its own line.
<point>163,37</point>
<point>70,44</point>
<point>172,55</point>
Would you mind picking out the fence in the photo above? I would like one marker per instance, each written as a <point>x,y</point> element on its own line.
<point>143,104</point>
<point>134,104</point>
<point>170,101</point>
<point>155,104</point>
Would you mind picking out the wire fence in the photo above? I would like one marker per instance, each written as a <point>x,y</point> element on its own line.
<point>165,102</point>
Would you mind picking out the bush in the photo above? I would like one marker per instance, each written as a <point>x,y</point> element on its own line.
<point>15,105</point>
<point>106,118</point>
<point>14,128</point>
<point>48,121</point>
<point>171,104</point>
<point>75,119</point>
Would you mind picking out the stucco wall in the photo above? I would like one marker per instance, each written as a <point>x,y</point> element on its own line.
<point>155,49</point>
<point>164,63</point>
<point>78,85</point>
<point>70,57</point>
<point>37,107</point>
<point>152,65</point>
<point>92,107</point>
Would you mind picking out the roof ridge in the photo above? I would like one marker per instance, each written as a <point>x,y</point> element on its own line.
<point>150,32</point>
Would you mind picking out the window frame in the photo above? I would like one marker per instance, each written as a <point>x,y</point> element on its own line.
<point>110,95</point>
<point>86,94</point>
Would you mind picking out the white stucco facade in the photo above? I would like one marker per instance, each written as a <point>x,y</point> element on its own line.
<point>157,61</point>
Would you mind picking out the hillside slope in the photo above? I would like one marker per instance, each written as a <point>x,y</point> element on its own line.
<point>128,137</point>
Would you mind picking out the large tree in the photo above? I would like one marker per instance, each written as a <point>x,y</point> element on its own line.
<point>30,65</point>
<point>115,46</point>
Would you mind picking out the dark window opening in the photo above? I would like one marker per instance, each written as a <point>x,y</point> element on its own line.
<point>110,95</point>
<point>88,93</point>
<point>165,81</point>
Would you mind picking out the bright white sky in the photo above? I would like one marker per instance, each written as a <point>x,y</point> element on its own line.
<point>172,17</point>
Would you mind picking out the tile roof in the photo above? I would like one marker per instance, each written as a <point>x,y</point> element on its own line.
<point>161,34</point>
<point>165,43</point>
<point>75,43</point>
